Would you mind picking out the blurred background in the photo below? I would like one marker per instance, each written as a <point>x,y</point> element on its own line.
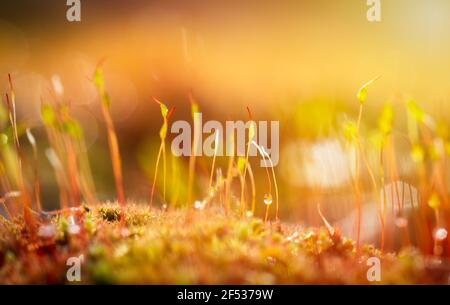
<point>298,62</point>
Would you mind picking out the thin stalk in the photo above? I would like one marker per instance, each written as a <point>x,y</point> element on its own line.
<point>251,135</point>
<point>242,183</point>
<point>48,117</point>
<point>164,170</point>
<point>229,176</point>
<point>166,114</point>
<point>115,155</point>
<point>329,227</point>
<point>252,182</point>
<point>29,219</point>
<point>112,137</point>
<point>269,184</point>
<point>72,168</point>
<point>375,187</point>
<point>160,151</point>
<point>37,186</point>
<point>60,176</point>
<point>175,178</point>
<point>87,182</point>
<point>194,110</point>
<point>356,183</point>
<point>274,182</point>
<point>216,147</point>
<point>384,199</point>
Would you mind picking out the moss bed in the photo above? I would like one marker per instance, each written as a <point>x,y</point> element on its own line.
<point>180,246</point>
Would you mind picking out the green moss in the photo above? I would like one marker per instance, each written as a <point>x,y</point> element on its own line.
<point>197,247</point>
<point>110,213</point>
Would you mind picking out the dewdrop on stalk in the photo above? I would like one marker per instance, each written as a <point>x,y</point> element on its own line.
<point>401,222</point>
<point>46,231</point>
<point>267,199</point>
<point>73,228</point>
<point>440,234</point>
<point>216,147</point>
<point>57,85</point>
<point>199,204</point>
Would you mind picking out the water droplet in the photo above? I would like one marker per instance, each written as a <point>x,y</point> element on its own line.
<point>124,233</point>
<point>199,205</point>
<point>249,214</point>
<point>293,236</point>
<point>268,199</point>
<point>46,231</point>
<point>401,222</point>
<point>164,207</point>
<point>440,234</point>
<point>73,228</point>
<point>271,260</point>
<point>121,250</point>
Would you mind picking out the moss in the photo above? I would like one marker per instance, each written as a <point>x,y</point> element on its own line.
<point>195,247</point>
<point>109,213</point>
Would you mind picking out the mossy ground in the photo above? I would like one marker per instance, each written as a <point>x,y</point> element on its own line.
<point>190,247</point>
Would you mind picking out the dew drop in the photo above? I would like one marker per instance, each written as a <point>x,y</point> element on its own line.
<point>440,234</point>
<point>46,231</point>
<point>267,199</point>
<point>401,222</point>
<point>73,228</point>
<point>199,205</point>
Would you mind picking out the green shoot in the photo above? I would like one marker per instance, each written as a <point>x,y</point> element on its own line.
<point>37,186</point>
<point>384,127</point>
<point>72,164</point>
<point>229,177</point>
<point>274,183</point>
<point>29,219</point>
<point>197,131</point>
<point>8,166</point>
<point>240,169</point>
<point>252,182</point>
<point>166,114</point>
<point>216,148</point>
<point>251,136</point>
<point>48,117</point>
<point>112,136</point>
<point>267,196</point>
<point>60,175</point>
<point>175,178</point>
<point>362,97</point>
<point>329,227</point>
